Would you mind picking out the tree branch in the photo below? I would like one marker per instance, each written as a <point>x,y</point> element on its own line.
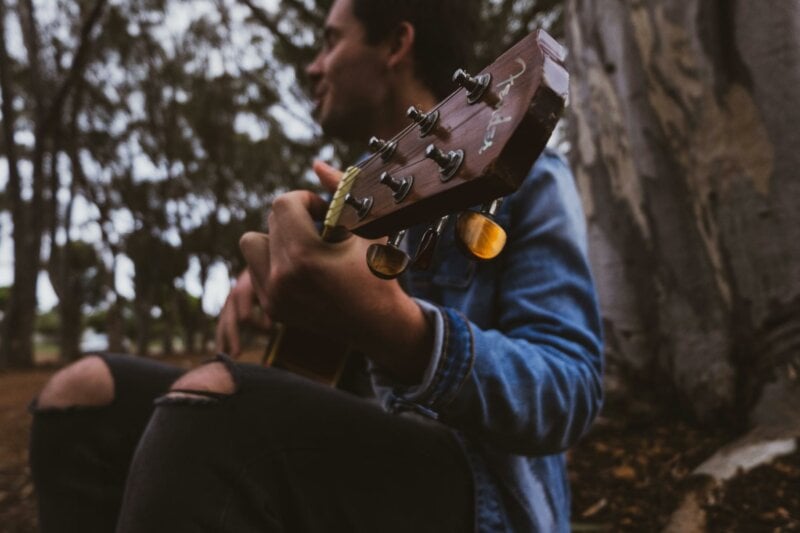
<point>30,35</point>
<point>264,18</point>
<point>9,119</point>
<point>78,62</point>
<point>315,17</point>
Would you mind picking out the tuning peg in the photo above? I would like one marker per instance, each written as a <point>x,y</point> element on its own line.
<point>427,245</point>
<point>479,236</point>
<point>475,85</point>
<point>362,206</point>
<point>385,148</point>
<point>449,162</point>
<point>400,186</point>
<point>387,261</point>
<point>426,121</point>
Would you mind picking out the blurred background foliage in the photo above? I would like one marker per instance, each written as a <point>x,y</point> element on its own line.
<point>141,138</point>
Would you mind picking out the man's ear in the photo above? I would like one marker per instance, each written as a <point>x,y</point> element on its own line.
<point>401,44</point>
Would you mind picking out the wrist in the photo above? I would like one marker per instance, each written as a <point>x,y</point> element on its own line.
<point>403,341</point>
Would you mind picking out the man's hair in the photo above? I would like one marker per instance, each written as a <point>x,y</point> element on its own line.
<point>442,29</point>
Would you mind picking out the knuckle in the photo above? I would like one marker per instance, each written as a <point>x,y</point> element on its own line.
<point>281,203</point>
<point>248,239</point>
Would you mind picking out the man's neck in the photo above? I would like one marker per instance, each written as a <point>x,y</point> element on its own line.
<point>412,94</point>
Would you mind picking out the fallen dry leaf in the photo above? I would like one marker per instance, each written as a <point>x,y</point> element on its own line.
<point>624,472</point>
<point>595,508</point>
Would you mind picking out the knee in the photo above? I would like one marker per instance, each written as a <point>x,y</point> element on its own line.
<point>211,379</point>
<point>87,382</point>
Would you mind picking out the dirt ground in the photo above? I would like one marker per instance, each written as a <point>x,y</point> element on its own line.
<point>16,491</point>
<point>631,472</point>
<point>627,474</point>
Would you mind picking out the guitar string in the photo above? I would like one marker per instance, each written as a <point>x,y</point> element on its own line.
<point>410,164</point>
<point>408,129</point>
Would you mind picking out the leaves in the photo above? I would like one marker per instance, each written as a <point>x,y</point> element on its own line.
<point>170,124</point>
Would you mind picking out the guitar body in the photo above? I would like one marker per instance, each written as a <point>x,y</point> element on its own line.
<point>494,134</point>
<point>308,354</point>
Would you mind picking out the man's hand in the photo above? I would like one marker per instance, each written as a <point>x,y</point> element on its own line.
<point>306,282</point>
<point>238,308</point>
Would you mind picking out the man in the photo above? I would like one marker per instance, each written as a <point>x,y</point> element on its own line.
<point>485,376</point>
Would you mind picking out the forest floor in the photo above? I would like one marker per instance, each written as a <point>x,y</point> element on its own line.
<point>627,474</point>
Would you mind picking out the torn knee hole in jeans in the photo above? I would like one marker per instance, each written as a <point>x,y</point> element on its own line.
<point>207,384</point>
<point>191,397</point>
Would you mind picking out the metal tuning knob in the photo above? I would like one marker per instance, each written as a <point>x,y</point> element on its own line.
<point>400,186</point>
<point>426,121</point>
<point>478,235</point>
<point>449,162</point>
<point>361,206</point>
<point>427,245</point>
<point>386,149</point>
<point>387,261</point>
<point>475,85</point>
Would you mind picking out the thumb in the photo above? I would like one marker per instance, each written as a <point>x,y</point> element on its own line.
<point>328,176</point>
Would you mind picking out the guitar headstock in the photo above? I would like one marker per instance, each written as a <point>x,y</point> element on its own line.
<point>478,144</point>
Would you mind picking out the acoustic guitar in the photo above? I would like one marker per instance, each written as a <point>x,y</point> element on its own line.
<point>473,148</point>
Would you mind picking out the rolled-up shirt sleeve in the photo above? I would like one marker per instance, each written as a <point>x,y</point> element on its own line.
<point>395,396</point>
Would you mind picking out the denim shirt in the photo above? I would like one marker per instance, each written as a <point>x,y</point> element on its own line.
<point>517,367</point>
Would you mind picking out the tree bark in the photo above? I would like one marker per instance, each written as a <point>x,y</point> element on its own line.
<point>684,141</point>
<point>28,216</point>
<point>16,350</point>
<point>143,319</point>
<point>64,278</point>
<point>115,328</point>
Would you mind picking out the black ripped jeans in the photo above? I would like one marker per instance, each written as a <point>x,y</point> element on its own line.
<point>279,454</point>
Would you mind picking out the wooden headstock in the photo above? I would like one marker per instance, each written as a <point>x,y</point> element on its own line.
<point>478,144</point>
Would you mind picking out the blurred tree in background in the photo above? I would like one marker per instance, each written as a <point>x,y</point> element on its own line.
<point>153,133</point>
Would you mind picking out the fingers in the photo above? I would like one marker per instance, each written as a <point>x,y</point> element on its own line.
<point>297,210</point>
<point>292,218</point>
<point>328,176</point>
<point>242,295</point>
<point>255,249</point>
<point>227,333</point>
<point>239,308</point>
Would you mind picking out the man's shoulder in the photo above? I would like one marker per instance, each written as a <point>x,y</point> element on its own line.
<point>551,161</point>
<point>549,192</point>
<point>550,171</point>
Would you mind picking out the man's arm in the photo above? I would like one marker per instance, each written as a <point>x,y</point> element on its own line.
<point>528,382</point>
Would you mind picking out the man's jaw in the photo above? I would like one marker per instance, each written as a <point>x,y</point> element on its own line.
<point>317,101</point>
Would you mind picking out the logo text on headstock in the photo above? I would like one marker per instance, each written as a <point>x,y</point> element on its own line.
<point>497,117</point>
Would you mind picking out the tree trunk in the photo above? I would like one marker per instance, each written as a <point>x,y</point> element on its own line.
<point>71,329</point>
<point>115,328</point>
<point>207,330</point>
<point>168,333</point>
<point>16,347</point>
<point>28,216</point>
<point>17,338</point>
<point>143,319</point>
<point>684,138</point>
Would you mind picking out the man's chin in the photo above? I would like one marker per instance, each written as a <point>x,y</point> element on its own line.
<point>338,129</point>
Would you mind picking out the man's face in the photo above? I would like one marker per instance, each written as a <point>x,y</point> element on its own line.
<point>348,77</point>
